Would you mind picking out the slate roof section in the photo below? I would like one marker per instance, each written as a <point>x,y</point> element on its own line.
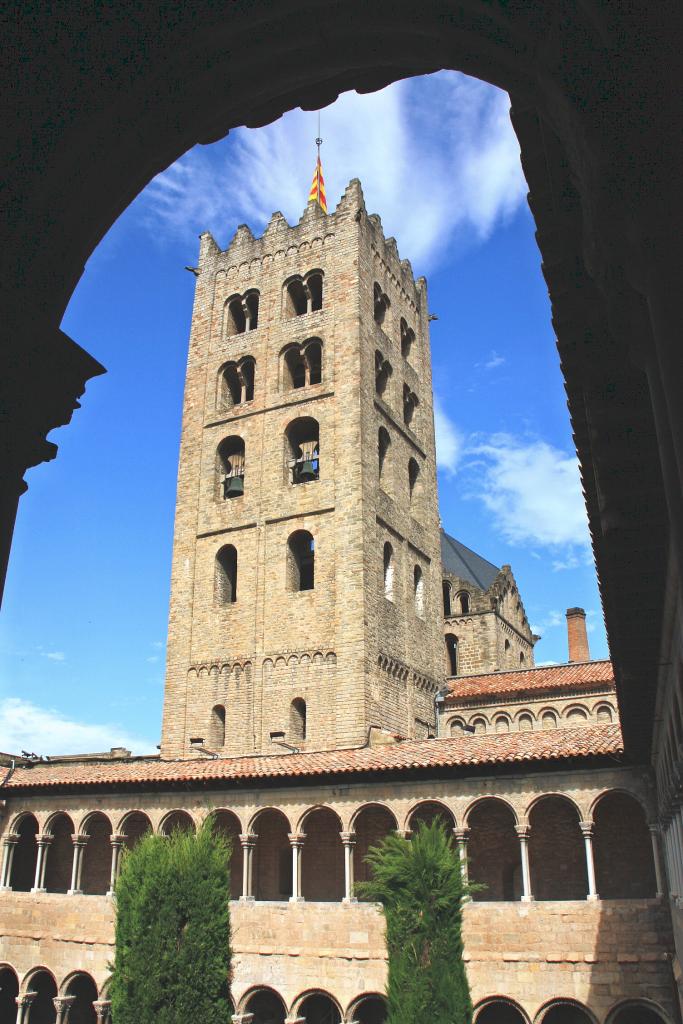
<point>458,752</point>
<point>547,679</point>
<point>465,563</point>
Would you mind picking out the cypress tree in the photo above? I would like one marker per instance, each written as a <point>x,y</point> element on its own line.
<point>420,886</point>
<point>172,947</point>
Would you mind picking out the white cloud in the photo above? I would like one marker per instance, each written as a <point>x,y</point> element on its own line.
<point>494,360</point>
<point>54,655</point>
<point>26,726</point>
<point>534,493</point>
<point>449,441</point>
<point>151,661</point>
<point>437,157</point>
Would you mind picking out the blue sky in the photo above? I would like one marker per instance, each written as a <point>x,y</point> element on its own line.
<point>83,626</point>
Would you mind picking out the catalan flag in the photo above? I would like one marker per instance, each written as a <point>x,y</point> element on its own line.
<point>317,193</point>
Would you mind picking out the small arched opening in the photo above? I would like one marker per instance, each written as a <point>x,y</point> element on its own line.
<point>177,821</point>
<point>446,591</point>
<point>410,404</point>
<point>371,825</point>
<point>380,304</point>
<point>266,1006</point>
<point>566,1012</point>
<point>59,854</point>
<point>556,851</point>
<point>371,1009</point>
<point>319,1008</point>
<point>576,717</point>
<point>383,445</point>
<point>499,1011</point>
<point>407,339</point>
<point>300,561</point>
<point>383,371</point>
<point>272,856</point>
<point>9,990</point>
<point>464,602</point>
<point>322,868</point>
<point>313,356</point>
<point>96,869</point>
<point>636,1011</point>
<point>251,303</point>
<point>302,439</point>
<point>228,824</point>
<point>25,855</point>
<point>494,851</point>
<point>217,727</point>
<point>42,1009</point>
<point>134,826</point>
<point>314,284</point>
<point>235,318</point>
<point>430,811</point>
<point>451,654</point>
<point>414,483</point>
<point>229,387</point>
<point>388,571</point>
<point>225,575</point>
<point>622,849</point>
<point>230,463</point>
<point>548,720</point>
<point>296,299</point>
<point>293,368</point>
<point>84,990</point>
<point>418,592</point>
<point>297,721</point>
<point>525,723</point>
<point>604,714</point>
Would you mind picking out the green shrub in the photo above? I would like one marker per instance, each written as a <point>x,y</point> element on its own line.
<point>420,886</point>
<point>172,951</point>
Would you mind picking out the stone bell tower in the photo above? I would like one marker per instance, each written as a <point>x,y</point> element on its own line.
<point>306,581</point>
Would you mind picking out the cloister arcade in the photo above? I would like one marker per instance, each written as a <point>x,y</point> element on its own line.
<point>551,848</point>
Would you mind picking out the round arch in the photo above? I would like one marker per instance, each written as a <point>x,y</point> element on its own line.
<point>60,853</point>
<point>565,1011</point>
<point>134,825</point>
<point>371,823</point>
<point>96,856</point>
<point>266,1004</point>
<point>177,820</point>
<point>272,856</point>
<point>428,811</point>
<point>322,869</point>
<point>82,986</point>
<point>229,825</point>
<point>499,1010</point>
<point>552,796</point>
<point>557,856</point>
<point>317,1006</point>
<point>41,981</point>
<point>368,1008</point>
<point>637,1011</point>
<point>23,873</point>
<point>622,848</point>
<point>9,990</point>
<point>485,799</point>
<point>493,850</point>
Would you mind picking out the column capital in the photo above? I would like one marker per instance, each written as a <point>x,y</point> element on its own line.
<point>44,838</point>
<point>102,1008</point>
<point>62,1005</point>
<point>654,828</point>
<point>11,839</point>
<point>26,999</point>
<point>348,838</point>
<point>587,829</point>
<point>248,842</point>
<point>523,833</point>
<point>404,833</point>
<point>461,834</point>
<point>80,838</point>
<point>296,838</point>
<point>117,838</point>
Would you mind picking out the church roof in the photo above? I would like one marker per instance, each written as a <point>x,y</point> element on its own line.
<point>465,563</point>
<point>463,752</point>
<point>546,679</point>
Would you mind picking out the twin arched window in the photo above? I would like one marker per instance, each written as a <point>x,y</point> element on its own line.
<point>241,313</point>
<point>410,404</point>
<point>302,365</point>
<point>303,294</point>
<point>236,383</point>
<point>380,304</point>
<point>383,371</point>
<point>407,339</point>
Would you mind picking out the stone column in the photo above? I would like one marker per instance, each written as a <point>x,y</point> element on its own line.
<point>43,840</point>
<point>668,857</point>
<point>248,842</point>
<point>8,847</point>
<point>242,1018</point>
<point>348,841</point>
<point>656,859</point>
<point>80,841</point>
<point>102,1008</point>
<point>404,833</point>
<point>677,844</point>
<point>462,836</point>
<point>296,841</point>
<point>24,1003</point>
<point>523,833</point>
<point>674,869</point>
<point>587,832</point>
<point>117,840</point>
<point>62,1006</point>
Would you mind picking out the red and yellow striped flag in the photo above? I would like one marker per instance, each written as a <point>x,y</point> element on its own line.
<point>317,193</point>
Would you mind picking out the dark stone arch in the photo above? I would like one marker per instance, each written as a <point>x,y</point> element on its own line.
<point>267,1007</point>
<point>371,824</point>
<point>42,1009</point>
<point>493,851</point>
<point>228,824</point>
<point>177,821</point>
<point>96,870</point>
<point>556,851</point>
<point>371,1009</point>
<point>25,855</point>
<point>319,1008</point>
<point>322,869</point>
<point>427,812</point>
<point>272,856</point>
<point>566,1012</point>
<point>500,1011</point>
<point>636,1011</point>
<point>60,854</point>
<point>9,990</point>
<point>622,848</point>
<point>84,989</point>
<point>134,826</point>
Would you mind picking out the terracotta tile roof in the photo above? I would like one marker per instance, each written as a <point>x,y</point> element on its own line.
<point>579,675</point>
<point>460,752</point>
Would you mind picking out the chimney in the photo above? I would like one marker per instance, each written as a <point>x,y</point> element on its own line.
<point>577,636</point>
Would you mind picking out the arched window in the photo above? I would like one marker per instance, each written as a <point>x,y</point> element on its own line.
<point>577,716</point>
<point>548,720</point>
<point>381,304</point>
<point>297,720</point>
<point>294,368</point>
<point>480,725</point>
<point>383,445</point>
<point>230,468</point>
<point>250,306</point>
<point>525,723</point>
<point>414,485</point>
<point>314,284</point>
<point>501,724</point>
<point>217,727</point>
<point>522,659</point>
<point>456,727</point>
<point>236,383</point>
<point>418,591</point>
<point>507,645</point>
<point>383,371</point>
<point>235,319</point>
<point>247,369</point>
<point>452,654</point>
<point>303,450</point>
<point>604,713</point>
<point>313,354</point>
<point>388,560</point>
<point>464,602</point>
<point>302,364</point>
<point>407,339</point>
<point>446,591</point>
<point>296,300</point>
<point>300,561</point>
<point>226,575</point>
<point>410,404</point>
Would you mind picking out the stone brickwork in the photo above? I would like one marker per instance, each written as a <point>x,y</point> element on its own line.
<point>251,657</point>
